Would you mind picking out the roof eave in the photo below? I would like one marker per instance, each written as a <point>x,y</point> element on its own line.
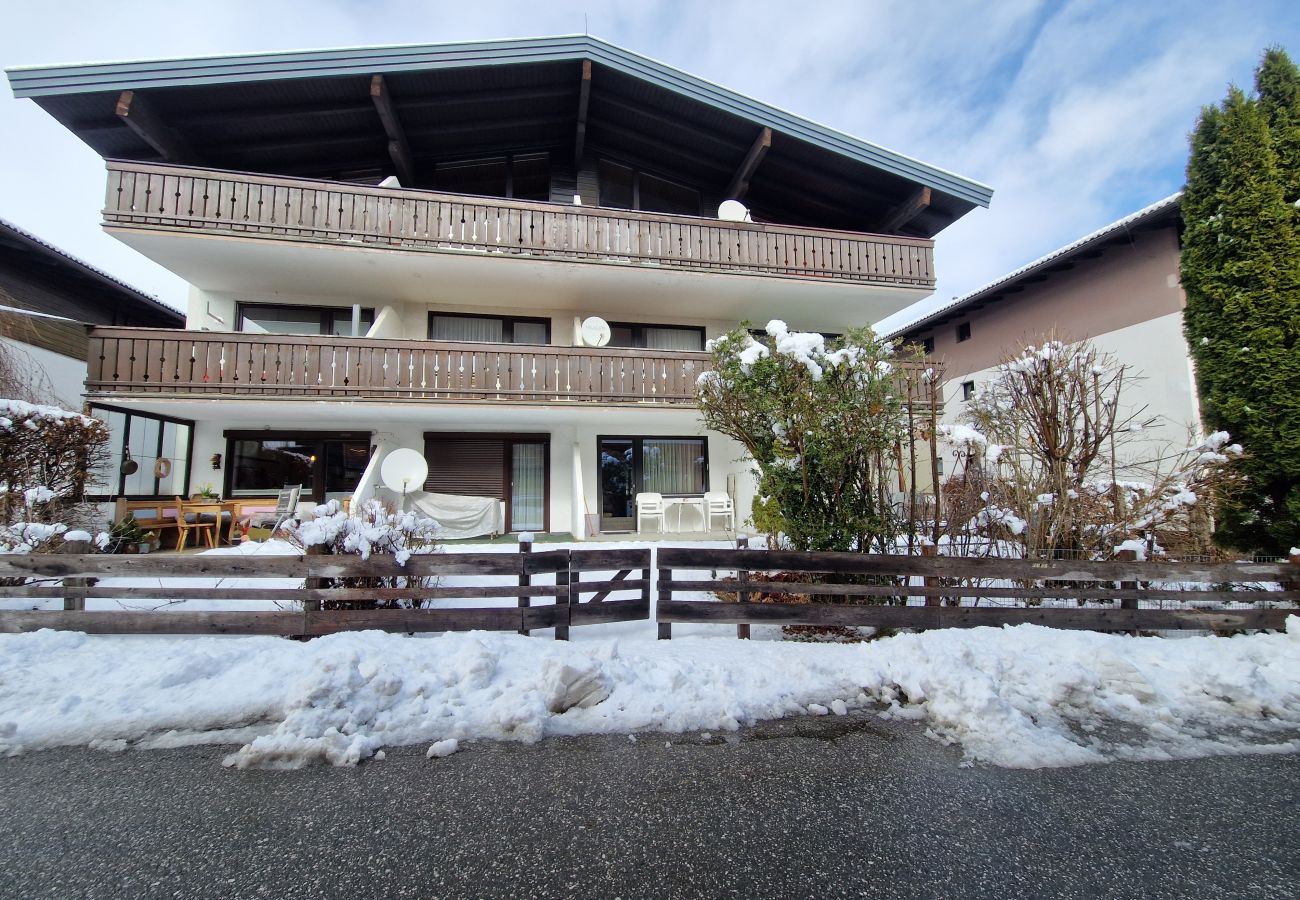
<point>48,81</point>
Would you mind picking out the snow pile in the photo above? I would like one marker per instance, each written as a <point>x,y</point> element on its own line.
<point>20,409</point>
<point>1020,697</point>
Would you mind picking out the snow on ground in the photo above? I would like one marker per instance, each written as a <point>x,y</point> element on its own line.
<point>1018,697</point>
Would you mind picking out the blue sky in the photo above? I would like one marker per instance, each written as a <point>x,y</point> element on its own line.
<point>1075,112</point>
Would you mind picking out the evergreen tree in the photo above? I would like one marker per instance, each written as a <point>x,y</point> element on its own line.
<point>1241,274</point>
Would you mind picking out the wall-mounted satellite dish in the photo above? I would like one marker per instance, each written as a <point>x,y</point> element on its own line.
<point>595,331</point>
<point>404,471</point>
<point>733,211</point>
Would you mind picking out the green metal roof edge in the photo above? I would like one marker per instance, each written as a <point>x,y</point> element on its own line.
<point>49,81</point>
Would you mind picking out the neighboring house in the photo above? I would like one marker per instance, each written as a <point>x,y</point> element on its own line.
<point>45,297</point>
<point>397,247</point>
<point>1117,287</point>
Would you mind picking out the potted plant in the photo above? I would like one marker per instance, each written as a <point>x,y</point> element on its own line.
<point>207,492</point>
<point>128,536</point>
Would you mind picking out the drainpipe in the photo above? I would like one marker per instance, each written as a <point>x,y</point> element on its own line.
<point>577,505</point>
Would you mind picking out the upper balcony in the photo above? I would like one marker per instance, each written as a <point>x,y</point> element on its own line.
<point>150,205</point>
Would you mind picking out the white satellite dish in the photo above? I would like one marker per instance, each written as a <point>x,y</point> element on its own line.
<point>595,331</point>
<point>733,211</point>
<point>404,470</point>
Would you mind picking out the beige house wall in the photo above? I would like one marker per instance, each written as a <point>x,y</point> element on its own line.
<point>1127,285</point>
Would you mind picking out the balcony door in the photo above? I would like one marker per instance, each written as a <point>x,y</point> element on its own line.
<point>513,468</point>
<point>671,466</point>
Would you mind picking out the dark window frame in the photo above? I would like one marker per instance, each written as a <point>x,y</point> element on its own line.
<point>638,333</point>
<point>320,438</point>
<point>927,345</point>
<point>509,160</point>
<point>967,391</point>
<point>638,442</point>
<point>326,316</point>
<point>963,332</point>
<point>507,325</point>
<point>126,440</point>
<point>637,172</point>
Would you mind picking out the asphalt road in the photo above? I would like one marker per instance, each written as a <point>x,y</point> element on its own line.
<point>824,807</point>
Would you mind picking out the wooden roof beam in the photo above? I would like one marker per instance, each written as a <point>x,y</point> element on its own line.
<point>136,112</point>
<point>739,185</point>
<point>912,207</point>
<point>584,99</point>
<point>398,149</point>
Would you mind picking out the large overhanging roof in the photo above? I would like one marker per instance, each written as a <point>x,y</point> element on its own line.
<point>323,113</point>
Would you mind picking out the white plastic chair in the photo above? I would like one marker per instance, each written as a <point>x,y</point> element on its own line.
<point>650,508</point>
<point>718,503</point>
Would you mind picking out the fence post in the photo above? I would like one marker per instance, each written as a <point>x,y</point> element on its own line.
<point>75,601</point>
<point>525,546</point>
<point>1127,603</point>
<point>310,604</point>
<point>742,577</point>
<point>565,578</point>
<point>665,594</point>
<point>931,551</point>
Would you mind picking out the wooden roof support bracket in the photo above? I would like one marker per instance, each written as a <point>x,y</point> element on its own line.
<point>584,98</point>
<point>739,185</point>
<point>909,210</point>
<point>137,113</point>
<point>398,149</point>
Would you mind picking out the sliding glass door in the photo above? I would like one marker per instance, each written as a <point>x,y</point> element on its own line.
<point>527,487</point>
<point>671,466</point>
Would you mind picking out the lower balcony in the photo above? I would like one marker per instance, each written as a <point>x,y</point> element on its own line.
<point>149,363</point>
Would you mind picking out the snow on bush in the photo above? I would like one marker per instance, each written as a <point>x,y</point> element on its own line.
<point>1020,697</point>
<point>47,456</point>
<point>370,528</point>
<point>1042,451</point>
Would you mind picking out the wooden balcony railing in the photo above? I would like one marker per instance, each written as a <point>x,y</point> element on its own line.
<point>168,363</point>
<point>147,195</point>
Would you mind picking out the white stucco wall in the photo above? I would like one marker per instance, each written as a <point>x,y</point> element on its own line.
<point>65,376</point>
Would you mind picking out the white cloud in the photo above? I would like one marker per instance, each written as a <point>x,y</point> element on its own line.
<point>1075,112</point>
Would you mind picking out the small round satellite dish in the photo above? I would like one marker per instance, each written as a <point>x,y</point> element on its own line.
<point>733,211</point>
<point>404,470</point>
<point>595,331</point>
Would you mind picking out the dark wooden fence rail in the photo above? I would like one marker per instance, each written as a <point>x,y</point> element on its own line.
<point>571,601</point>
<point>152,195</point>
<point>947,579</point>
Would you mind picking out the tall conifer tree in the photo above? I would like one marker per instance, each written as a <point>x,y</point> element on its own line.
<point>1241,274</point>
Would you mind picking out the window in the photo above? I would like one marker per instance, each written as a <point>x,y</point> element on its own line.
<point>327,465</point>
<point>939,465</point>
<point>513,468</point>
<point>623,187</point>
<point>963,332</point>
<point>265,318</point>
<point>489,329</point>
<point>927,346</point>
<point>524,176</point>
<point>967,391</point>
<point>656,337</point>
<point>156,444</point>
<point>673,466</point>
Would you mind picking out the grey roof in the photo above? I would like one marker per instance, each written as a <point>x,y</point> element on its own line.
<point>1149,215</point>
<point>21,236</point>
<point>53,81</point>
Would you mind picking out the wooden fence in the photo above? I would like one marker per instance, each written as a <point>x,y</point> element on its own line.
<point>552,576</point>
<point>952,592</point>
